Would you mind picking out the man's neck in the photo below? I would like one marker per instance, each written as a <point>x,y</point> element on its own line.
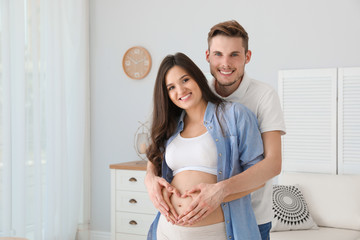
<point>225,91</point>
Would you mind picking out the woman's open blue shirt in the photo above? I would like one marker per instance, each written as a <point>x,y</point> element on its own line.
<point>239,146</point>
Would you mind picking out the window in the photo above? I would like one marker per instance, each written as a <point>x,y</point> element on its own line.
<point>44,119</point>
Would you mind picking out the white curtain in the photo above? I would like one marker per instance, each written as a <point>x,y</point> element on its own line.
<point>44,118</point>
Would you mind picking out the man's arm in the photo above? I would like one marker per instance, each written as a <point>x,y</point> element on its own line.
<point>241,194</point>
<point>264,170</point>
<point>155,186</point>
<point>211,195</point>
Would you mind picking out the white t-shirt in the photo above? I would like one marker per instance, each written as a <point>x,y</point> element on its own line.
<point>196,153</point>
<point>264,102</point>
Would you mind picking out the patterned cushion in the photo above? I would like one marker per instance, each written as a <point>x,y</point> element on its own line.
<point>290,209</point>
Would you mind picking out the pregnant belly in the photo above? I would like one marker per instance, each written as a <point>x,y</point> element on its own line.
<point>184,181</point>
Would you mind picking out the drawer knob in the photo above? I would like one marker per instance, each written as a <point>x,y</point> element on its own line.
<point>133,201</point>
<point>132,222</point>
<point>132,179</point>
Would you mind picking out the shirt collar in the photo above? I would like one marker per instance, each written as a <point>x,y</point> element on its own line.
<point>240,91</point>
<point>209,112</point>
<point>181,120</point>
<point>210,109</point>
<point>243,87</point>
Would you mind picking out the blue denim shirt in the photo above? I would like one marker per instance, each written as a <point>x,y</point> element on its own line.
<point>238,148</point>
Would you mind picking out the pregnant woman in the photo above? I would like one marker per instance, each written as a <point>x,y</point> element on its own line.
<point>198,139</point>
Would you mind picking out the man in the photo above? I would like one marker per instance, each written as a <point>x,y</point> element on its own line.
<point>227,55</point>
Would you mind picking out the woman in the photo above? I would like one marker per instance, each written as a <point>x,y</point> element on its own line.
<point>199,139</point>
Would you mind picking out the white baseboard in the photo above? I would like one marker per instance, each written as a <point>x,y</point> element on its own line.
<point>96,235</point>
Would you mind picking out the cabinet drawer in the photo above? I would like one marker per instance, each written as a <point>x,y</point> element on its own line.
<point>121,236</point>
<point>130,180</point>
<point>133,223</point>
<point>138,202</point>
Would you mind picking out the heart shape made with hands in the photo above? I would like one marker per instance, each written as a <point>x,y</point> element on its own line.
<point>178,204</point>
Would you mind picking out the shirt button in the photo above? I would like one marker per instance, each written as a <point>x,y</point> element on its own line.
<point>206,122</point>
<point>224,204</point>
<point>217,140</point>
<point>227,221</point>
<point>230,237</point>
<point>210,127</point>
<point>220,154</point>
<point>220,172</point>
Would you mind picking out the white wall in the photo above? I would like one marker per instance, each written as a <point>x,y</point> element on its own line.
<point>283,35</point>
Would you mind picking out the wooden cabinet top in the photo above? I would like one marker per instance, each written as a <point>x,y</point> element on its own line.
<point>135,165</point>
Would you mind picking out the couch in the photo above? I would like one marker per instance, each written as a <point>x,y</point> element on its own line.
<point>333,202</point>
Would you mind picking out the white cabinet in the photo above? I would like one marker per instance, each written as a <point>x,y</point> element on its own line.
<point>132,212</point>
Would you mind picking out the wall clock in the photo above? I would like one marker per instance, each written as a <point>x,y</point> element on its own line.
<point>137,62</point>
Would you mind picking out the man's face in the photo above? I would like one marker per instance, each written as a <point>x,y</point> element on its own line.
<point>227,59</point>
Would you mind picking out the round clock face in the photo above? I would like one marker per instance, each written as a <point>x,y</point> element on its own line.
<point>137,62</point>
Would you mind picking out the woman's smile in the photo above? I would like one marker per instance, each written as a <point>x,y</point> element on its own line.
<point>185,97</point>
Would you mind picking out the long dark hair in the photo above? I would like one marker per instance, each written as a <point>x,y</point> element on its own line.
<point>165,113</point>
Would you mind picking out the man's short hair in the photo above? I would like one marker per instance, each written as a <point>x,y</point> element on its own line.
<point>231,29</point>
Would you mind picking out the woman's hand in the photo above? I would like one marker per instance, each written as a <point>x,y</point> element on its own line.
<point>172,214</point>
<point>156,186</point>
<point>206,198</point>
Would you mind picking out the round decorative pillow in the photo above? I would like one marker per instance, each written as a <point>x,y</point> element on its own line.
<point>290,209</point>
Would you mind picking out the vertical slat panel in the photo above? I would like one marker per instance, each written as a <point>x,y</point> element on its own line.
<point>5,118</point>
<point>34,120</point>
<point>349,121</point>
<point>18,134</point>
<point>308,98</point>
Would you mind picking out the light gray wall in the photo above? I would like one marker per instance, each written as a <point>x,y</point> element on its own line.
<point>283,35</point>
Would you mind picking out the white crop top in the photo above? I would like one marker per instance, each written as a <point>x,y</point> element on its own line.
<point>197,153</point>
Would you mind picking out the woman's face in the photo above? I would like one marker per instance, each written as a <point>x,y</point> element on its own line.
<point>183,90</point>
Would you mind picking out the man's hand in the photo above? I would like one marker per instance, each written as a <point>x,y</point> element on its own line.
<point>155,186</point>
<point>206,198</point>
